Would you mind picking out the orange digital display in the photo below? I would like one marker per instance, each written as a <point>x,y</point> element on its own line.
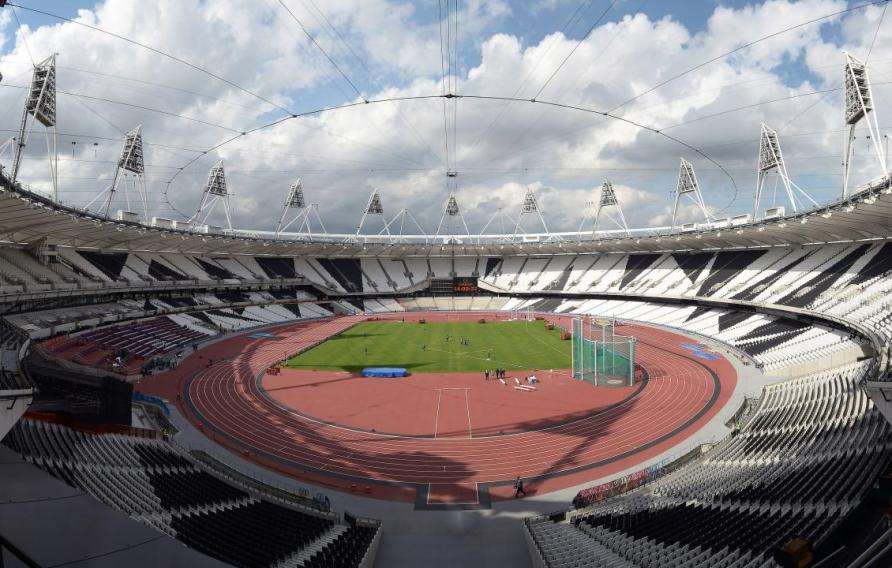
<point>465,285</point>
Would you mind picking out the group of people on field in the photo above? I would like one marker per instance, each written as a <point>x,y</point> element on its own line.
<point>496,373</point>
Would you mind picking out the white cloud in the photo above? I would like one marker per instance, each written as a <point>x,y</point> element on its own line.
<point>5,18</point>
<point>398,147</point>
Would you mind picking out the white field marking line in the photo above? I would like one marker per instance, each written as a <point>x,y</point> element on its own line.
<point>461,353</point>
<point>673,389</point>
<point>468,407</point>
<point>223,371</point>
<point>215,383</point>
<point>437,417</point>
<point>469,356</point>
<point>526,328</point>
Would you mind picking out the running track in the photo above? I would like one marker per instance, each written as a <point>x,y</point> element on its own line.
<point>681,395</point>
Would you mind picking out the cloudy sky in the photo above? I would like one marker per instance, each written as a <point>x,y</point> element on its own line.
<point>206,71</point>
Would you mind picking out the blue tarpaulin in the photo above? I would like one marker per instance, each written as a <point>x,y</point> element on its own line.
<point>384,372</point>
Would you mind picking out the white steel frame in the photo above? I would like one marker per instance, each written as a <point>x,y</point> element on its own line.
<point>216,190</point>
<point>859,105</point>
<point>688,185</point>
<point>771,159</point>
<point>129,174</point>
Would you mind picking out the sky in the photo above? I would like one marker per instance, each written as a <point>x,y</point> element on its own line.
<point>295,76</point>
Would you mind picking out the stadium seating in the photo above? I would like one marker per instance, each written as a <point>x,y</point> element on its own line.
<point>157,484</point>
<point>801,464</point>
<point>780,474</point>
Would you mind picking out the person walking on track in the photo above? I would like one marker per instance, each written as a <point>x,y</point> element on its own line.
<point>518,488</point>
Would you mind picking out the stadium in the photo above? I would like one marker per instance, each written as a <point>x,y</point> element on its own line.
<point>195,371</point>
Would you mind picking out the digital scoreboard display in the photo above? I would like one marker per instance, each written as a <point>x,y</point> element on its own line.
<point>465,284</point>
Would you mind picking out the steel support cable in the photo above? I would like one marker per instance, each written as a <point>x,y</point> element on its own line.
<point>24,39</point>
<point>295,116</point>
<point>108,139</point>
<point>455,73</point>
<point>597,58</point>
<point>866,59</point>
<point>443,82</point>
<point>140,81</point>
<point>321,129</point>
<point>768,102</point>
<point>638,125</point>
<point>575,47</point>
<point>748,107</point>
<point>374,80</point>
<point>740,108</point>
<point>156,51</point>
<point>132,105</point>
<point>319,47</point>
<point>742,47</point>
<point>571,21</point>
<point>876,32</point>
<point>184,62</point>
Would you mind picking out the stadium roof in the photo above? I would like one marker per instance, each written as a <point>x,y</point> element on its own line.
<point>29,218</point>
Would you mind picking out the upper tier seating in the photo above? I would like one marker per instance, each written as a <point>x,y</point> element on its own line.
<point>161,486</point>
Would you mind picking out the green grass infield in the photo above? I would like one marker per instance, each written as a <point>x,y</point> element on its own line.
<point>438,347</point>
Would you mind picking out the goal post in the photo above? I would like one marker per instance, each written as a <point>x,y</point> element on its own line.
<point>600,356</point>
<point>523,314</point>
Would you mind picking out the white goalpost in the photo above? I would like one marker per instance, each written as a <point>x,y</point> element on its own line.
<point>523,314</point>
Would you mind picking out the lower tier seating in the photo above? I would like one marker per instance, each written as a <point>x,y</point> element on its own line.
<point>159,485</point>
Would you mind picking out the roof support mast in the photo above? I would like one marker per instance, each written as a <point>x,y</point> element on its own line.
<point>529,207</point>
<point>130,171</point>
<point>295,202</point>
<point>372,207</point>
<point>859,104</point>
<point>215,191</point>
<point>451,210</point>
<point>40,104</point>
<point>772,159</point>
<point>607,200</point>
<point>688,185</point>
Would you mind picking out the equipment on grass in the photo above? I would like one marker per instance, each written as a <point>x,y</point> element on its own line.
<point>600,356</point>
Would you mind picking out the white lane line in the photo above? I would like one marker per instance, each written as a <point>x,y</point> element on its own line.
<point>468,407</point>
<point>437,417</point>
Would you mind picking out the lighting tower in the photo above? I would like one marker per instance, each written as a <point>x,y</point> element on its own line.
<point>295,202</point>
<point>40,104</point>
<point>373,207</point>
<point>607,200</point>
<point>859,104</point>
<point>529,207</point>
<point>129,173</point>
<point>215,190</point>
<point>688,185</point>
<point>771,159</point>
<point>451,210</point>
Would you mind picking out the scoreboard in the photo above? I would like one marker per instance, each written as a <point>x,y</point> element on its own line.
<point>465,285</point>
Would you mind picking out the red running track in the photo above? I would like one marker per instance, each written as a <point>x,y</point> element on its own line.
<point>225,400</point>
